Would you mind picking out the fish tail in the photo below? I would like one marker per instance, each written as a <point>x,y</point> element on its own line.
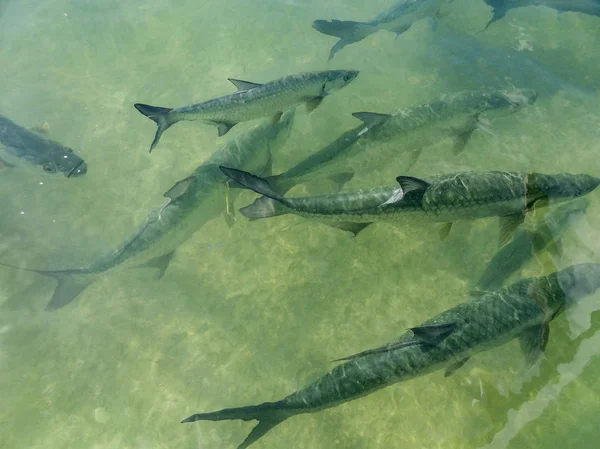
<point>268,415</point>
<point>161,116</point>
<point>70,284</point>
<point>348,31</point>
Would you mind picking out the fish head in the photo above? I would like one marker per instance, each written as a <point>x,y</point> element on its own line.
<point>561,216</point>
<point>64,160</point>
<point>504,103</point>
<point>579,281</point>
<point>563,186</point>
<point>337,79</point>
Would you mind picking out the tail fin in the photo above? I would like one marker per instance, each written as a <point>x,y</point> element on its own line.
<point>347,30</point>
<point>70,284</point>
<point>264,207</point>
<point>158,115</point>
<point>267,414</point>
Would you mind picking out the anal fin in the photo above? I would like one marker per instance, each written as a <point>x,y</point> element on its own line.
<point>455,366</point>
<point>313,104</point>
<point>350,226</point>
<point>533,342</point>
<point>160,262</point>
<point>444,230</point>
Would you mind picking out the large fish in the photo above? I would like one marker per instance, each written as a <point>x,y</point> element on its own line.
<point>19,145</point>
<point>442,199</point>
<point>252,101</point>
<point>523,310</point>
<point>398,19</point>
<point>501,7</point>
<point>455,115</point>
<point>191,202</point>
<point>528,243</point>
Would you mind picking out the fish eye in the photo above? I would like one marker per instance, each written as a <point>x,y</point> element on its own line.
<point>347,77</point>
<point>48,168</point>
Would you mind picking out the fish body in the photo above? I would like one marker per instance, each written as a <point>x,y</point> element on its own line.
<point>202,198</point>
<point>18,145</point>
<point>527,243</point>
<point>455,115</point>
<point>501,7</point>
<point>252,101</point>
<point>522,310</point>
<point>398,19</point>
<point>443,198</point>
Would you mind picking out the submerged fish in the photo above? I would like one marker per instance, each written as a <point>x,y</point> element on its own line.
<point>455,115</point>
<point>252,101</point>
<point>443,199</point>
<point>19,144</point>
<point>191,202</point>
<point>526,244</point>
<point>501,7</point>
<point>398,19</point>
<point>523,310</point>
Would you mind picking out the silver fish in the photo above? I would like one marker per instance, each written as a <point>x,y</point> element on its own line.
<point>443,199</point>
<point>18,144</point>
<point>455,115</point>
<point>501,7</point>
<point>252,101</point>
<point>527,243</point>
<point>191,202</point>
<point>398,19</point>
<point>524,311</point>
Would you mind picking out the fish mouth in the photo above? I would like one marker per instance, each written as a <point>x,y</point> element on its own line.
<point>78,170</point>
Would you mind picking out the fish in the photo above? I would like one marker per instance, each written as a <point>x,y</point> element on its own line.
<point>447,341</point>
<point>398,19</point>
<point>190,203</point>
<point>441,199</point>
<point>528,243</point>
<point>20,146</point>
<point>252,101</point>
<point>501,7</point>
<point>456,115</point>
<point>323,163</point>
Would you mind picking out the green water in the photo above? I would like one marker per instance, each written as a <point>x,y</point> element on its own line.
<point>253,312</point>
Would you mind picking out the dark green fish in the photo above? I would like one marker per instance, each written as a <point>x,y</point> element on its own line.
<point>18,144</point>
<point>252,101</point>
<point>522,310</point>
<point>190,203</point>
<point>398,19</point>
<point>527,243</point>
<point>501,7</point>
<point>442,199</point>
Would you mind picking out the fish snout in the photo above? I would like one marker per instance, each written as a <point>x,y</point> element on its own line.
<point>78,170</point>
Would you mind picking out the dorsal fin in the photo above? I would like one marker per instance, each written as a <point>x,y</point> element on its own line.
<point>408,183</point>
<point>179,188</point>
<point>243,85</point>
<point>371,118</point>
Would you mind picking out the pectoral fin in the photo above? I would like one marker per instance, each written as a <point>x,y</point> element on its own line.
<point>414,157</point>
<point>41,128</point>
<point>444,230</point>
<point>313,104</point>
<point>224,128</point>
<point>243,85</point>
<point>452,368</point>
<point>275,119</point>
<point>533,342</point>
<point>508,226</point>
<point>463,135</point>
<point>4,164</point>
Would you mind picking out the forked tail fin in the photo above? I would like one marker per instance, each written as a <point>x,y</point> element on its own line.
<point>70,284</point>
<point>348,31</point>
<point>158,115</point>
<point>267,414</point>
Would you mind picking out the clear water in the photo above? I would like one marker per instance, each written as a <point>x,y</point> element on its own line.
<point>253,312</point>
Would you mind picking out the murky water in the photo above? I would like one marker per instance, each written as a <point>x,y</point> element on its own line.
<point>252,312</point>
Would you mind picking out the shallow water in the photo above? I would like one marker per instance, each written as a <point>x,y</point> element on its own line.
<point>252,312</point>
